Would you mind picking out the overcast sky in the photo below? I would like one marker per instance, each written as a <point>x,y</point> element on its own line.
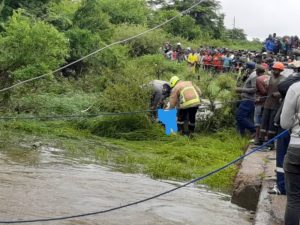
<point>259,18</point>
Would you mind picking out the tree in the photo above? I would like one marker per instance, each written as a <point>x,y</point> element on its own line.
<point>205,14</point>
<point>126,11</point>
<point>148,44</point>
<point>28,49</point>
<point>236,34</point>
<point>60,14</point>
<point>90,16</point>
<point>183,26</point>
<point>37,8</point>
<point>83,42</point>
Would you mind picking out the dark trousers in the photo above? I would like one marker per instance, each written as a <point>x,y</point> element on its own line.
<point>292,186</point>
<point>282,146</point>
<point>184,115</point>
<point>267,123</point>
<point>245,110</point>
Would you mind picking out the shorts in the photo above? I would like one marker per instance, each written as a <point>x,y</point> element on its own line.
<point>258,115</point>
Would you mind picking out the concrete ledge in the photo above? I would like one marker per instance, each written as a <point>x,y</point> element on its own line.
<point>255,178</point>
<point>248,182</point>
<point>270,208</point>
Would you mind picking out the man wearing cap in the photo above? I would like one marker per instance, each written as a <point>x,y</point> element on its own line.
<point>185,96</point>
<point>271,105</point>
<point>244,115</point>
<point>283,142</point>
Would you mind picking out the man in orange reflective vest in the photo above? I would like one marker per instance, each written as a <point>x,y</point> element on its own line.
<point>185,96</point>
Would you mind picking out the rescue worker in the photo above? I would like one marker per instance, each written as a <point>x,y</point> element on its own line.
<point>160,91</point>
<point>185,96</point>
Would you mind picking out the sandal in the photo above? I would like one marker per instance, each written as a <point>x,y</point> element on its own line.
<point>274,191</point>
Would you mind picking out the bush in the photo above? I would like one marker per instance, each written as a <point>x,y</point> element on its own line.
<point>84,42</point>
<point>130,127</point>
<point>149,43</point>
<point>52,104</point>
<point>156,67</point>
<point>126,11</point>
<point>220,93</point>
<point>90,16</point>
<point>30,48</point>
<point>182,26</point>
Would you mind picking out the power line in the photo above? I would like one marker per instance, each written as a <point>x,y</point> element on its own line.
<point>74,116</point>
<point>101,49</point>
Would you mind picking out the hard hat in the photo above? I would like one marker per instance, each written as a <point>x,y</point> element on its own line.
<point>173,81</point>
<point>278,65</point>
<point>178,43</point>
<point>188,48</point>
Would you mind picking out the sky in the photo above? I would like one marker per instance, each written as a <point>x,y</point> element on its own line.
<point>259,18</point>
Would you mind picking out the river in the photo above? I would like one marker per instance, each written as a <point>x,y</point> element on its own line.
<point>44,183</point>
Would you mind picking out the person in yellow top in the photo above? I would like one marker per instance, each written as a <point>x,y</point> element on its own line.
<point>185,96</point>
<point>192,60</point>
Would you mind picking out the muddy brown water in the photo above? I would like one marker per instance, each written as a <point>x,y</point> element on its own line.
<point>44,183</point>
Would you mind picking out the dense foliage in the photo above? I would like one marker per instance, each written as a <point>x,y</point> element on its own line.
<point>37,37</point>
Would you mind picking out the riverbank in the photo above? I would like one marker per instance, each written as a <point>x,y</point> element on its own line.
<point>256,176</point>
<point>172,158</point>
<point>270,208</point>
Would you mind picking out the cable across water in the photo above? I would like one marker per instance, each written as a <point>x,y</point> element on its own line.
<point>149,198</point>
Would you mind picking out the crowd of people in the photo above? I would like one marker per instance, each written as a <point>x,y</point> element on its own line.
<point>221,60</point>
<point>269,102</point>
<point>281,45</point>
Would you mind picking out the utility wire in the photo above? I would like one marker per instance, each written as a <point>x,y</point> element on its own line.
<point>74,116</point>
<point>101,49</point>
<point>50,117</point>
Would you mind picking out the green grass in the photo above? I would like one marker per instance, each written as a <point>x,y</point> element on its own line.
<point>173,158</point>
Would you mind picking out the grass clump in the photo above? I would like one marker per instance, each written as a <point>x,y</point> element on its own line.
<point>139,151</point>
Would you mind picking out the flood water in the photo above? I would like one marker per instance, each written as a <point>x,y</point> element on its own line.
<point>44,183</point>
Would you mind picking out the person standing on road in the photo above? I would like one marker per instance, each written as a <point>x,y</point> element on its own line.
<point>289,119</point>
<point>246,107</point>
<point>271,105</point>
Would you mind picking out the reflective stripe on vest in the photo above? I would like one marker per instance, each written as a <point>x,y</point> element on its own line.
<point>190,102</point>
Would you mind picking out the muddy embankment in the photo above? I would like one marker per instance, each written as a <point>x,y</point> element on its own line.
<point>255,178</point>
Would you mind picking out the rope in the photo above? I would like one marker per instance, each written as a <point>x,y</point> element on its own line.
<point>152,197</point>
<point>74,116</point>
<point>49,117</point>
<point>101,49</point>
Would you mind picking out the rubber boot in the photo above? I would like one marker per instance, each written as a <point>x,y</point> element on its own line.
<point>271,146</point>
<point>180,128</point>
<point>261,138</point>
<point>191,130</point>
